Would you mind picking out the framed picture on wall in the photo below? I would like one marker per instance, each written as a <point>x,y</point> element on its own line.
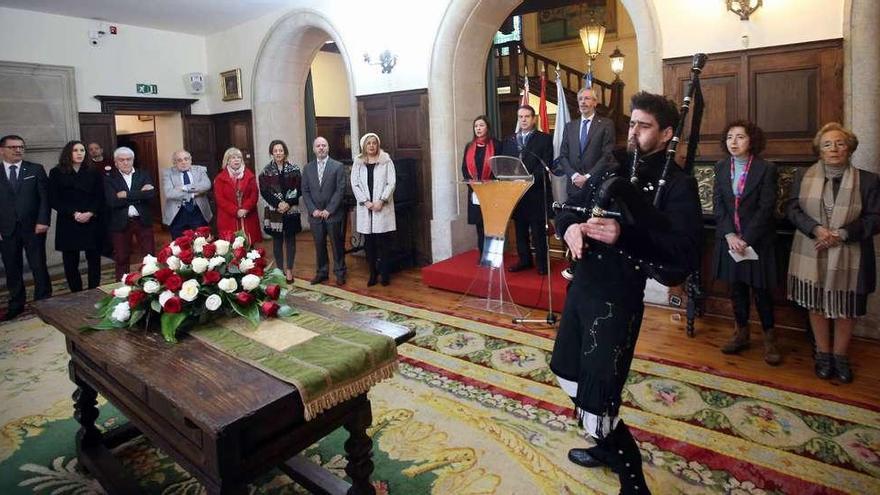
<point>563,23</point>
<point>230,84</point>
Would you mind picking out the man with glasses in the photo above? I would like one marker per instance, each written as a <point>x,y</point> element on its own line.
<point>24,221</point>
<point>185,187</point>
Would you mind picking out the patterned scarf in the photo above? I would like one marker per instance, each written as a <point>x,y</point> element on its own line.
<point>236,175</point>
<point>826,281</point>
<point>470,158</point>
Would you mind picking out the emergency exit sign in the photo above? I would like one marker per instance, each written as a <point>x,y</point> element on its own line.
<point>147,89</point>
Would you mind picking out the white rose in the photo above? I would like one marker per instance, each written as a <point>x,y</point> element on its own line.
<point>199,265</point>
<point>199,243</point>
<point>164,296</point>
<point>238,242</point>
<point>150,260</point>
<point>173,262</point>
<point>189,291</point>
<point>222,246</point>
<point>151,286</point>
<point>123,278</point>
<point>213,302</point>
<point>250,282</point>
<point>175,249</point>
<point>121,312</point>
<point>215,262</point>
<point>149,269</point>
<point>228,285</point>
<point>252,255</point>
<point>246,265</point>
<point>122,292</point>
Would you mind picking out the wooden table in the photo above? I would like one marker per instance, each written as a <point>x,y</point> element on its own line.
<point>221,419</point>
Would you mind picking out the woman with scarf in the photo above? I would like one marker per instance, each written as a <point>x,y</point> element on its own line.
<point>745,200</point>
<point>280,186</point>
<point>836,210</point>
<point>475,167</point>
<point>235,191</point>
<point>372,182</point>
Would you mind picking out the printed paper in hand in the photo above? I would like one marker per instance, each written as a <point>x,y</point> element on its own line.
<point>749,254</point>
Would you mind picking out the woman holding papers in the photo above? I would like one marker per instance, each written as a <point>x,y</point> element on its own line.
<point>835,208</point>
<point>745,202</point>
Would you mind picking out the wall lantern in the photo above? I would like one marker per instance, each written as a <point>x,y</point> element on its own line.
<point>744,8</point>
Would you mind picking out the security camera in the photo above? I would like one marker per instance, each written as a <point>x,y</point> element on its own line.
<point>95,36</point>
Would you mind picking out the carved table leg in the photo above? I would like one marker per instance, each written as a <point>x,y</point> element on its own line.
<point>359,450</point>
<point>85,405</point>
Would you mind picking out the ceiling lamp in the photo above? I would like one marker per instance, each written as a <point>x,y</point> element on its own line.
<point>744,8</point>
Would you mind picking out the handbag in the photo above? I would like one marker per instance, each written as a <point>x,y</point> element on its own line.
<point>273,221</point>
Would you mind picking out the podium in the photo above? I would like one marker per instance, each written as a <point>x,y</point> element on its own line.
<point>488,290</point>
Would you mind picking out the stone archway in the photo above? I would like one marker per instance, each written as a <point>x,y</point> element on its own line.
<point>457,88</point>
<point>279,80</point>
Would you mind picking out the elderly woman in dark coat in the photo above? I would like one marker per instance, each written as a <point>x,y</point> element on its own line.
<point>76,192</point>
<point>836,210</point>
<point>475,167</point>
<point>745,199</point>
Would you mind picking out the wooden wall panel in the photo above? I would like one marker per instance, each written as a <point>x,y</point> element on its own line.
<point>198,139</point>
<point>337,132</point>
<point>99,128</point>
<point>237,129</point>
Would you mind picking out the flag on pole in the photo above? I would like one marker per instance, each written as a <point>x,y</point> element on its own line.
<point>559,183</point>
<point>524,99</point>
<point>544,125</point>
<point>588,79</point>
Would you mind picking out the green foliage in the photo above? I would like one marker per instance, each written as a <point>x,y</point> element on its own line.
<point>170,322</point>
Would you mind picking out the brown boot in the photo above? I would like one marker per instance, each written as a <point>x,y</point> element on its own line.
<point>772,355</point>
<point>739,342</point>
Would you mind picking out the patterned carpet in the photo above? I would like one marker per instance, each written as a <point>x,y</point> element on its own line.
<point>474,410</point>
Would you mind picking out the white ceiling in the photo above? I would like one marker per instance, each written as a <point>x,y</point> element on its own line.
<point>201,17</point>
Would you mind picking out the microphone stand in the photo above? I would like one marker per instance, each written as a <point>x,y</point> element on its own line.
<point>551,318</point>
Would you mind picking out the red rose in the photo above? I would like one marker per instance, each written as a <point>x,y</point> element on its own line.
<point>186,256</point>
<point>260,262</point>
<point>173,305</point>
<point>270,308</point>
<point>258,271</point>
<point>163,274</point>
<point>135,298</point>
<point>183,242</point>
<point>164,254</point>
<point>209,250</point>
<point>244,298</point>
<point>239,253</point>
<point>273,291</point>
<point>189,233</point>
<point>227,235</point>
<point>261,252</point>
<point>211,277</point>
<point>173,282</point>
<point>132,278</point>
<point>204,231</point>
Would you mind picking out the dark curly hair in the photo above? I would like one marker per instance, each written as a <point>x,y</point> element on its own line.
<point>662,108</point>
<point>283,145</point>
<point>757,141</point>
<point>65,159</point>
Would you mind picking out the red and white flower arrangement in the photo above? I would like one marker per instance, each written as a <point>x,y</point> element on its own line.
<point>194,279</point>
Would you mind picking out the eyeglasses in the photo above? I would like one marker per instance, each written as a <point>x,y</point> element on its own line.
<point>828,145</point>
<point>15,147</point>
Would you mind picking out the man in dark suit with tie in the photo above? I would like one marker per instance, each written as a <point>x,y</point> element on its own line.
<point>24,221</point>
<point>532,147</point>
<point>129,194</point>
<point>584,141</point>
<point>323,186</point>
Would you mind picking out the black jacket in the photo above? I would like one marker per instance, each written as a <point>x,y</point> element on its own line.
<point>539,146</point>
<point>29,205</point>
<point>474,213</point>
<point>117,208</point>
<point>71,192</point>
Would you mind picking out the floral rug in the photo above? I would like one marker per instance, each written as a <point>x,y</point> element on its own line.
<point>475,410</point>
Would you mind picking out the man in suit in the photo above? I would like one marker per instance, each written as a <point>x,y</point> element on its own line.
<point>532,147</point>
<point>323,186</point>
<point>186,202</point>
<point>129,193</point>
<point>584,141</point>
<point>24,221</point>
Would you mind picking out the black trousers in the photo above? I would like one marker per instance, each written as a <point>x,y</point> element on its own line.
<point>287,239</point>
<point>320,232</point>
<point>186,219</point>
<point>739,295</point>
<point>378,249</point>
<point>535,226</point>
<point>34,247</point>
<point>71,269</point>
<point>481,236</point>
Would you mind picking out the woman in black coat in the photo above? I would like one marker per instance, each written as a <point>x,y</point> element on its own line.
<point>280,187</point>
<point>475,167</point>
<point>76,192</point>
<point>745,202</point>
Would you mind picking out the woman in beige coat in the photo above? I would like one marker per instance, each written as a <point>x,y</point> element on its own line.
<point>372,181</point>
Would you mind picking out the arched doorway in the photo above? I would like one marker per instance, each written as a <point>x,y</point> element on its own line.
<point>457,87</point>
<point>279,80</point>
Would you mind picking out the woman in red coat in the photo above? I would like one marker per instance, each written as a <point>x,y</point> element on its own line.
<point>235,191</point>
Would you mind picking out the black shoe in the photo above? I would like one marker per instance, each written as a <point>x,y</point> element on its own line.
<point>372,280</point>
<point>385,282</point>
<point>582,457</point>
<point>520,267</point>
<point>824,367</point>
<point>318,279</point>
<point>12,314</point>
<point>340,280</point>
<point>842,370</point>
<point>542,271</point>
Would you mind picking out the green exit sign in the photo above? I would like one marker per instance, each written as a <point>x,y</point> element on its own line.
<point>147,89</point>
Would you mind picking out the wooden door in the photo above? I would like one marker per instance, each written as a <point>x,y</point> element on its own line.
<point>98,128</point>
<point>146,160</point>
<point>198,139</point>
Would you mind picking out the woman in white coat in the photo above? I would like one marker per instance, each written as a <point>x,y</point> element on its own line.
<point>372,181</point>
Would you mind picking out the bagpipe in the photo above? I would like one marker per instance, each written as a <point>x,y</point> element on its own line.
<point>613,192</point>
